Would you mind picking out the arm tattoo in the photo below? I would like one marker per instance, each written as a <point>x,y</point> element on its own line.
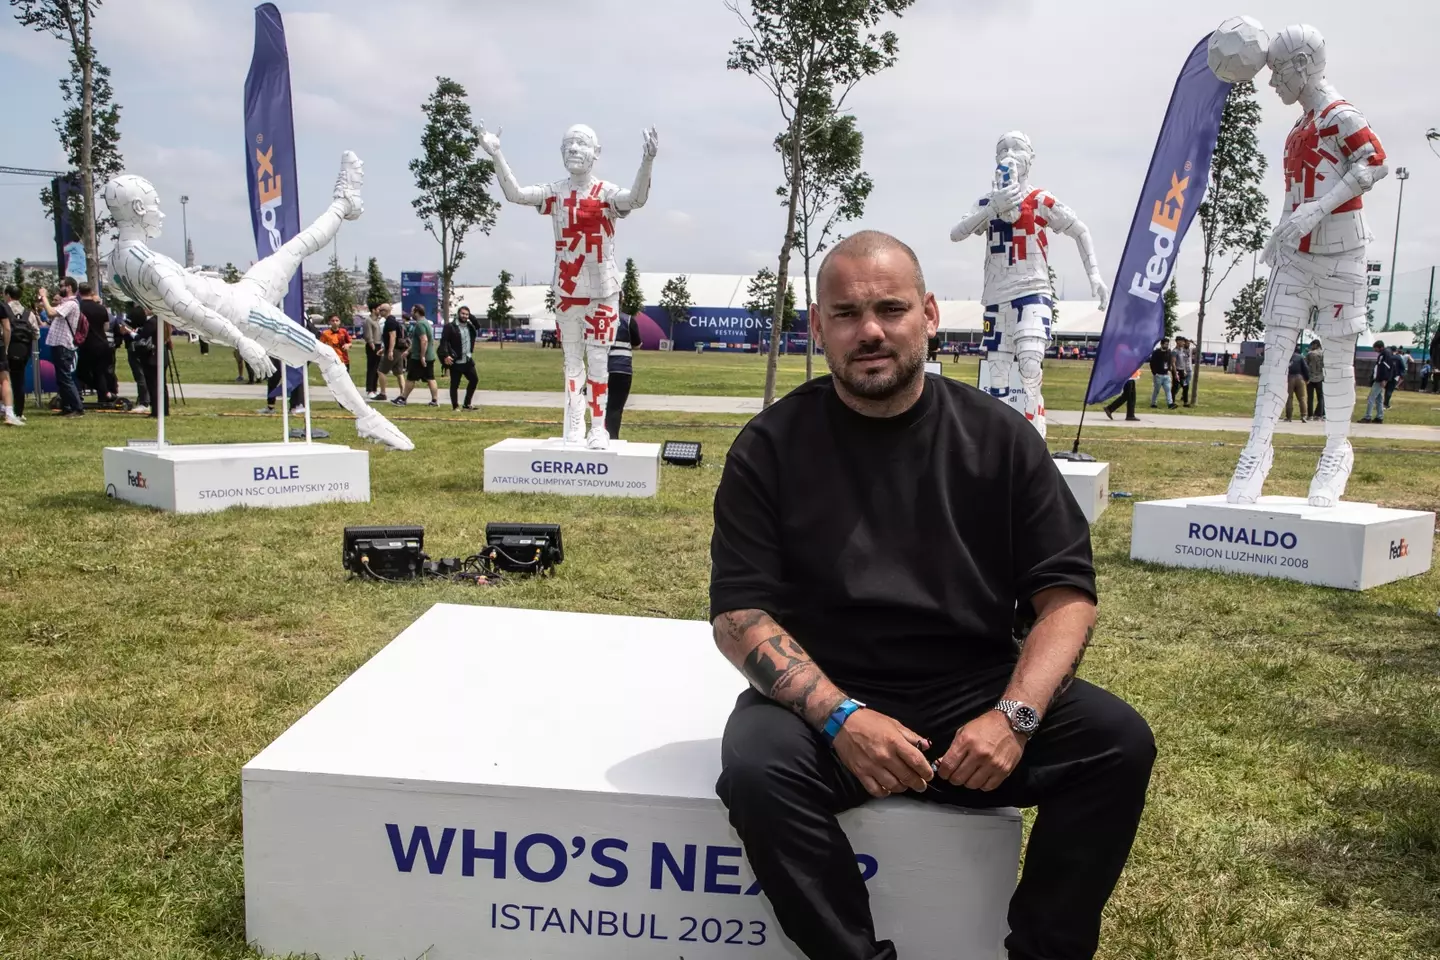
<point>778,666</point>
<point>1066,680</point>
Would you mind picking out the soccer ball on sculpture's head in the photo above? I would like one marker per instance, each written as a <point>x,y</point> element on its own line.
<point>1238,49</point>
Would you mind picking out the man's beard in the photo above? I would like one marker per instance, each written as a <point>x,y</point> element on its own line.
<point>881,385</point>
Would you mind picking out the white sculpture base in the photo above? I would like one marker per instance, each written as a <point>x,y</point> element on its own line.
<point>552,466</point>
<point>1354,546</point>
<point>444,801</point>
<point>1089,483</point>
<point>201,478</point>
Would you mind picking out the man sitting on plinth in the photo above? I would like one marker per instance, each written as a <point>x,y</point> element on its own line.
<point>882,537</point>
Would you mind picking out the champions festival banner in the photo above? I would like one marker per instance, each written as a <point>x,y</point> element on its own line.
<point>1174,186</point>
<point>270,155</point>
<point>719,328</point>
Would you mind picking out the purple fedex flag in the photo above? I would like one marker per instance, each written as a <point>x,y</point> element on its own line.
<point>270,154</point>
<point>1179,172</point>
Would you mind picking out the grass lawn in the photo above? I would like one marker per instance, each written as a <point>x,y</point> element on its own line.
<point>527,367</point>
<point>145,657</point>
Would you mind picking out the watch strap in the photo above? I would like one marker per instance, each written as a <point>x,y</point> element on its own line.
<point>839,716</point>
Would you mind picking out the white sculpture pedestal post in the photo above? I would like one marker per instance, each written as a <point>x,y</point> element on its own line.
<point>1089,483</point>
<point>1353,546</point>
<point>434,804</point>
<point>622,469</point>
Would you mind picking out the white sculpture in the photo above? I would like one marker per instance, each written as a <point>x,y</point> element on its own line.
<point>1316,255</point>
<point>1018,297</point>
<point>587,286</point>
<point>244,315</point>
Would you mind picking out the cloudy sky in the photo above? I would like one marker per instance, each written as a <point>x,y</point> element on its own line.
<point>1090,90</point>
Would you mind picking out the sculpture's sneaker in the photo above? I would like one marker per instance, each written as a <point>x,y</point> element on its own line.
<point>348,183</point>
<point>1332,473</point>
<point>372,426</point>
<point>1250,474</point>
<point>599,438</point>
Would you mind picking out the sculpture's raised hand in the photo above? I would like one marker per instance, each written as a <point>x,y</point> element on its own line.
<point>490,142</point>
<point>652,142</point>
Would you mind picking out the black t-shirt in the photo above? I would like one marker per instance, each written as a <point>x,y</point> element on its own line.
<point>1160,360</point>
<point>895,550</point>
<point>392,325</point>
<point>98,319</point>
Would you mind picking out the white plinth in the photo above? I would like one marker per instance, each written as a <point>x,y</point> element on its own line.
<point>1353,546</point>
<point>625,469</point>
<point>200,478</point>
<point>1089,482</point>
<point>501,784</point>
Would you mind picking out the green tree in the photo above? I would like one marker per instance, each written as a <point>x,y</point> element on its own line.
<point>30,282</point>
<point>499,314</point>
<point>804,52</point>
<point>1172,315</point>
<point>71,21</point>
<point>833,189</point>
<point>376,290</point>
<point>759,292</point>
<point>451,176</point>
<point>632,299</point>
<point>1244,320</point>
<point>675,301</point>
<point>105,159</point>
<point>230,274</point>
<point>337,296</point>
<point>1233,221</point>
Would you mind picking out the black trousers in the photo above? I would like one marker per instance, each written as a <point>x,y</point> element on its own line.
<point>372,368</point>
<point>137,370</point>
<point>1086,769</point>
<point>467,371</point>
<point>1127,397</point>
<point>1180,389</point>
<point>18,384</point>
<point>153,388</point>
<point>619,392</point>
<point>1315,398</point>
<point>297,396</point>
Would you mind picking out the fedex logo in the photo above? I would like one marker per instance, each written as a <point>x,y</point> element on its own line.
<point>270,190</point>
<point>1164,223</point>
<point>135,478</point>
<point>1398,550</point>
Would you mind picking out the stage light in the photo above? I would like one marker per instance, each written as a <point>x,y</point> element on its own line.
<point>524,547</point>
<point>384,553</point>
<point>682,453</point>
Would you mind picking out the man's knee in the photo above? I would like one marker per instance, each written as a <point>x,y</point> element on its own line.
<point>1132,737</point>
<point>763,756</point>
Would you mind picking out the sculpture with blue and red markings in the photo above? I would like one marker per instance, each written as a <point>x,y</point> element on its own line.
<point>1019,300</point>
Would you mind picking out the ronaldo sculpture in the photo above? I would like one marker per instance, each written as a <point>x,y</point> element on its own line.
<point>244,315</point>
<point>587,287</point>
<point>1317,251</point>
<point>1018,297</point>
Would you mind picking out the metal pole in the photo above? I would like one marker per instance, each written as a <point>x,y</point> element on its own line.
<point>159,391</point>
<point>305,381</point>
<point>285,400</point>
<point>1402,174</point>
<point>1429,312</point>
<point>185,230</point>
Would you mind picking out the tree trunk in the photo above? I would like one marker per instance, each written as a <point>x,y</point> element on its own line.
<point>1200,334</point>
<point>445,271</point>
<point>810,333</point>
<point>87,141</point>
<point>782,277</point>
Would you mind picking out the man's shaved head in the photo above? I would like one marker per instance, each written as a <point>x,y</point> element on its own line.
<point>868,243</point>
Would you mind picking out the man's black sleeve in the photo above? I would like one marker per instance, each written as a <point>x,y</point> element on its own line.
<point>745,561</point>
<point>1048,529</point>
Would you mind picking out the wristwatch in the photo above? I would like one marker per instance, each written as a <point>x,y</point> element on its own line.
<point>838,718</point>
<point>1024,719</point>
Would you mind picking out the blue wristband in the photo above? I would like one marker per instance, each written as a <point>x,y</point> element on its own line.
<point>838,718</point>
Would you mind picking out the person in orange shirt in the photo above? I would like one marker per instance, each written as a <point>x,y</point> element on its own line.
<point>338,339</point>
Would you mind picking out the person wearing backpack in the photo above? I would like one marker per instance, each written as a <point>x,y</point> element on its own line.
<point>67,331</point>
